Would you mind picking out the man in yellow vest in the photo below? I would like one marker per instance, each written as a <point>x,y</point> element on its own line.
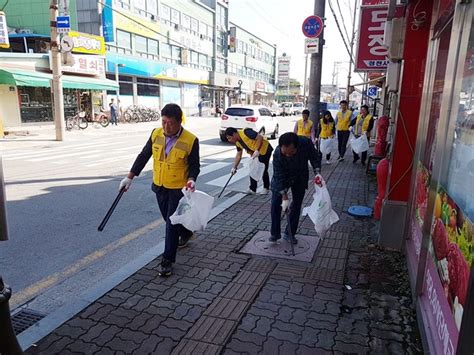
<point>363,125</point>
<point>304,127</point>
<point>258,147</point>
<point>175,153</point>
<point>343,121</point>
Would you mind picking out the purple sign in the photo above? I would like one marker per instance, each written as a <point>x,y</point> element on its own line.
<point>312,26</point>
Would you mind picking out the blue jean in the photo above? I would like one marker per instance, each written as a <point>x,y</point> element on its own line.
<point>168,200</point>
<point>298,190</point>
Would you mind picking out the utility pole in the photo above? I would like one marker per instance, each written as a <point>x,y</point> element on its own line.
<point>305,78</point>
<point>314,96</point>
<point>57,83</point>
<point>352,51</point>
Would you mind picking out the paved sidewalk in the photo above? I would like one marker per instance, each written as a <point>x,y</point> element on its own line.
<point>220,301</point>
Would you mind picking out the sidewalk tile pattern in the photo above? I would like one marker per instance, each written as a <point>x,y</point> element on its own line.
<point>221,301</point>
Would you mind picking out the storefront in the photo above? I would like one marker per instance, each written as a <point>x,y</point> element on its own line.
<point>439,228</point>
<point>154,84</point>
<point>25,88</point>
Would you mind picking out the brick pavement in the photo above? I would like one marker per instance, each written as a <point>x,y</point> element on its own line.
<point>220,301</point>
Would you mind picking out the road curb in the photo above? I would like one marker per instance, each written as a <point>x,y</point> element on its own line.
<point>52,321</point>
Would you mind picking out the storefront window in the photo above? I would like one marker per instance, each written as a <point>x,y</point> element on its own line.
<point>35,104</point>
<point>148,87</point>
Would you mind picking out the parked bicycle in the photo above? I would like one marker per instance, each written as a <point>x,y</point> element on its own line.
<point>139,113</point>
<point>78,121</point>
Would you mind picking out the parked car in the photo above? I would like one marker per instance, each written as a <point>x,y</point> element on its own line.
<point>259,118</point>
<point>298,108</point>
<point>276,110</point>
<point>287,108</point>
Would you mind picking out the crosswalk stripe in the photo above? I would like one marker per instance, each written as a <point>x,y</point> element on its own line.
<point>61,156</point>
<point>212,167</point>
<point>221,181</point>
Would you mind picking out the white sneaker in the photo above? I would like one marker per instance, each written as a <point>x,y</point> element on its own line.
<point>264,191</point>
<point>250,192</point>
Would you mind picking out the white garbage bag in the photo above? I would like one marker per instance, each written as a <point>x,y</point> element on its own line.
<point>193,210</point>
<point>360,144</point>
<point>256,169</point>
<point>325,145</point>
<point>320,211</point>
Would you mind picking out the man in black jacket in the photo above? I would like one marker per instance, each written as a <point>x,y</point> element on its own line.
<point>290,170</point>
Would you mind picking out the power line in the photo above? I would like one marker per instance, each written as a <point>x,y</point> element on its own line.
<point>340,32</point>
<point>343,22</point>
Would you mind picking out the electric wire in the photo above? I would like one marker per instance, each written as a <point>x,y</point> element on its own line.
<point>343,22</point>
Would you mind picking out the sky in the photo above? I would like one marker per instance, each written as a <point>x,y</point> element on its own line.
<point>279,22</point>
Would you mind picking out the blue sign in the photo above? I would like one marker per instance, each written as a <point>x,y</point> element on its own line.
<point>63,22</point>
<point>312,26</point>
<point>137,66</point>
<point>108,21</point>
<point>372,91</point>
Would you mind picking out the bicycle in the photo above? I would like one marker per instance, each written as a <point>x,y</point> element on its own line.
<point>78,120</point>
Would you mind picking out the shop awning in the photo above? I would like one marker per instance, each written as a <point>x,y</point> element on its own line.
<point>78,82</point>
<point>17,77</point>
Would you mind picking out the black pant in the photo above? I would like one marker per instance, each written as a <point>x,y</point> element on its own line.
<point>265,159</point>
<point>297,191</point>
<point>168,201</point>
<point>356,156</point>
<point>342,139</point>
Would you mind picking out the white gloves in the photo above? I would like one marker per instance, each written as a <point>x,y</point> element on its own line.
<point>284,205</point>
<point>191,186</point>
<point>233,171</point>
<point>125,183</point>
<point>255,154</point>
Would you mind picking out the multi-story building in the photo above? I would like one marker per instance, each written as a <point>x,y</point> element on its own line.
<point>163,51</point>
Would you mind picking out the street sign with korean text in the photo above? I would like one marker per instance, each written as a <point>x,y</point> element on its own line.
<point>312,26</point>
<point>372,54</point>
<point>4,41</point>
<point>63,24</point>
<point>311,45</point>
<point>283,68</point>
<point>87,43</point>
<point>86,64</point>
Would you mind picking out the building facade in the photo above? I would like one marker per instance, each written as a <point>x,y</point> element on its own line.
<point>162,51</point>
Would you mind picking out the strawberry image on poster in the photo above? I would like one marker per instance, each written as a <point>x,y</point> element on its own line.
<point>458,273</point>
<point>440,240</point>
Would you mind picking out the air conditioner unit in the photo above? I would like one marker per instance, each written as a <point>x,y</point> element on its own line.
<point>393,76</point>
<point>176,27</point>
<point>202,36</point>
<point>394,38</point>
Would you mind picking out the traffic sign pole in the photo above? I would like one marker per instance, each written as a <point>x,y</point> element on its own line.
<point>316,62</point>
<point>58,96</point>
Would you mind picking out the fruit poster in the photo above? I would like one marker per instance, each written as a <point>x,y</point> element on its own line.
<point>421,192</point>
<point>452,247</point>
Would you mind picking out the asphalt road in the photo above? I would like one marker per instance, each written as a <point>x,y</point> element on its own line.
<point>58,192</point>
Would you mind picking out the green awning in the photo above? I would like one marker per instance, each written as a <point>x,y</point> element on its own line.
<point>17,77</point>
<point>85,83</point>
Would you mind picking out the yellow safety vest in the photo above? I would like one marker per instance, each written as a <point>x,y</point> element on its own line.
<point>304,130</point>
<point>365,124</point>
<point>171,171</point>
<point>251,144</point>
<point>344,122</point>
<point>326,129</point>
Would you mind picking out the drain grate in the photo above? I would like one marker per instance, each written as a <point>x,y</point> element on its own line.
<point>25,319</point>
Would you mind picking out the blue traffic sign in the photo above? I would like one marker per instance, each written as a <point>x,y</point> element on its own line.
<point>63,22</point>
<point>372,91</point>
<point>312,26</point>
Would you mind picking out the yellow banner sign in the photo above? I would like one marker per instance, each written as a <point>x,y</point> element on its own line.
<point>134,24</point>
<point>87,43</point>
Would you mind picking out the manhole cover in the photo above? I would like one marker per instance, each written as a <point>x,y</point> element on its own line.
<point>304,250</point>
<point>25,319</point>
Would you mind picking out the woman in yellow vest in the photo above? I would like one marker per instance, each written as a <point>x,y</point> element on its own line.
<point>257,146</point>
<point>175,153</point>
<point>327,130</point>
<point>304,127</point>
<point>363,125</point>
<point>343,121</point>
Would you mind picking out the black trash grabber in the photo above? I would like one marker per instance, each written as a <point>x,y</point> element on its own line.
<point>290,235</point>
<point>111,210</point>
<point>227,183</point>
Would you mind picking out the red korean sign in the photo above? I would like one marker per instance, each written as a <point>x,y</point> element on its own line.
<point>371,53</point>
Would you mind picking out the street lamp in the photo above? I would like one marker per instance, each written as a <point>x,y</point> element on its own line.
<point>117,92</point>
